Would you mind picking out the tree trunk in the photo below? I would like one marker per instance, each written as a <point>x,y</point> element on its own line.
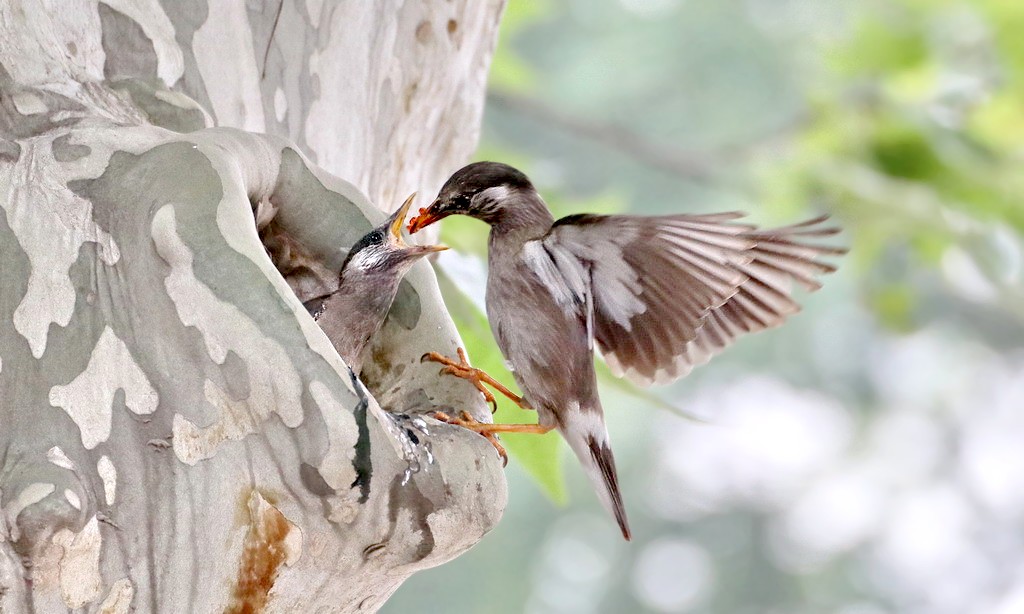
<point>176,433</point>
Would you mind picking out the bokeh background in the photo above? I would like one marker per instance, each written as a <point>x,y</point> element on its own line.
<point>866,458</point>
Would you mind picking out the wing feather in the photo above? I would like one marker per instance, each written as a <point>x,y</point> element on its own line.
<point>666,293</point>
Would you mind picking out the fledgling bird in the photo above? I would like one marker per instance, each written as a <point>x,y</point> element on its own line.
<point>657,294</point>
<point>367,285</point>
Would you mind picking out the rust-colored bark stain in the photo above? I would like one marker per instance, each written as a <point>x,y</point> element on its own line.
<point>262,556</point>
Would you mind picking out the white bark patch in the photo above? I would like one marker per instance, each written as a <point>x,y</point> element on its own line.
<point>80,580</point>
<point>342,435</point>
<point>193,444</point>
<point>108,473</point>
<point>43,50</point>
<point>73,499</point>
<point>30,495</point>
<point>270,542</point>
<point>234,87</point>
<point>57,456</point>
<point>88,398</point>
<point>280,105</point>
<point>119,599</point>
<point>274,384</point>
<point>28,103</point>
<point>263,514</point>
<point>51,223</point>
<point>158,28</point>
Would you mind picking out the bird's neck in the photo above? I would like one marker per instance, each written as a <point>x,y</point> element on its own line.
<point>354,313</point>
<point>523,215</point>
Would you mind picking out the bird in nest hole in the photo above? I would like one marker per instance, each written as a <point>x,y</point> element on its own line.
<point>367,285</point>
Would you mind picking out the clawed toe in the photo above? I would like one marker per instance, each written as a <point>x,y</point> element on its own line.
<point>463,370</point>
<point>468,422</point>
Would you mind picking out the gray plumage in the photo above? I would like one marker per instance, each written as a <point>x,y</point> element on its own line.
<point>656,295</point>
<point>367,285</point>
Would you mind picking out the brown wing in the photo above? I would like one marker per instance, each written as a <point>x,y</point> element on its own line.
<point>669,292</point>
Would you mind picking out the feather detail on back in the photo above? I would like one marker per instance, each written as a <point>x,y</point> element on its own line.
<point>667,293</point>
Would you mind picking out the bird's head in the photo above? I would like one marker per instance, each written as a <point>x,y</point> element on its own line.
<point>384,251</point>
<point>481,190</point>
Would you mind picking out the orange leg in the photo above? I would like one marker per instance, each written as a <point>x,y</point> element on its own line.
<point>488,431</point>
<point>475,376</point>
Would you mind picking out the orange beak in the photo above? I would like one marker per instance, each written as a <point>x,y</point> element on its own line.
<point>395,231</point>
<point>424,218</point>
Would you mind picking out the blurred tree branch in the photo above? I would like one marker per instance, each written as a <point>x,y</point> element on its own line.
<point>688,164</point>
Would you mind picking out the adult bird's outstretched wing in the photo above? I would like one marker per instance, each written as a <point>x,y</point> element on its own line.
<point>663,294</point>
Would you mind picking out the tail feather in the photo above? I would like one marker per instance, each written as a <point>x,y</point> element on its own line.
<point>589,440</point>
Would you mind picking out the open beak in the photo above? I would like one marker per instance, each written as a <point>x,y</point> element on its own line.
<point>424,218</point>
<point>395,230</point>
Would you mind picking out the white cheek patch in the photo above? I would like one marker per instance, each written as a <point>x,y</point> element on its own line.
<point>490,196</point>
<point>371,257</point>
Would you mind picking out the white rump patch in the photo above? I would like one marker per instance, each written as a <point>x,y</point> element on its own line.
<point>80,580</point>
<point>88,398</point>
<point>274,384</point>
<point>108,473</point>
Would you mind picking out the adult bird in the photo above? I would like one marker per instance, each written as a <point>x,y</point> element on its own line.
<point>367,285</point>
<point>657,295</point>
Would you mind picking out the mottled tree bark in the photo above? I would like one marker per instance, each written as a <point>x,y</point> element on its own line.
<point>176,433</point>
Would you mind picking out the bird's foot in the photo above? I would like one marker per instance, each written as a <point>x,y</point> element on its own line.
<point>468,422</point>
<point>477,377</point>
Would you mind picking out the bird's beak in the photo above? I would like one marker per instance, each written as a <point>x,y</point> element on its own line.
<point>395,232</point>
<point>397,218</point>
<point>425,218</point>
